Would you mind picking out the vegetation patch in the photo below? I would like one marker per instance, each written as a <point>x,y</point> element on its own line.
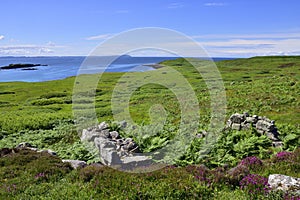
<point>41,113</point>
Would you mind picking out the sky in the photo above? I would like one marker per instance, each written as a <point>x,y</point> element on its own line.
<point>225,28</point>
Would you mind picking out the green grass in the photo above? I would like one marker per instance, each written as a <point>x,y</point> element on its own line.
<point>41,113</point>
<point>274,94</point>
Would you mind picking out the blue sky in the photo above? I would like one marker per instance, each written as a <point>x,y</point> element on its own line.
<point>235,28</point>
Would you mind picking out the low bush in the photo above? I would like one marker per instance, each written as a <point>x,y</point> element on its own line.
<point>52,95</point>
<point>252,162</point>
<point>255,185</point>
<point>44,102</point>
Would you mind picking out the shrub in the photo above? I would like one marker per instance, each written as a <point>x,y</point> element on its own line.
<point>88,173</point>
<point>21,168</point>
<point>201,173</point>
<point>44,102</point>
<point>284,156</point>
<point>52,94</point>
<point>255,185</point>
<point>219,177</point>
<point>251,162</point>
<point>237,173</point>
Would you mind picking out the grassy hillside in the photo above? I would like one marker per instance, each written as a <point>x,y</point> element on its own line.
<point>267,86</point>
<point>41,113</point>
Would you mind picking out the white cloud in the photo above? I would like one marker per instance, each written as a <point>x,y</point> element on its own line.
<point>1,37</point>
<point>250,47</point>
<point>99,37</point>
<point>22,50</point>
<point>175,5</point>
<point>214,4</point>
<point>52,44</point>
<point>29,49</point>
<point>246,45</point>
<point>250,36</point>
<point>222,45</point>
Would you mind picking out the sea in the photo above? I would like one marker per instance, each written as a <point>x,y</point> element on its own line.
<point>60,67</point>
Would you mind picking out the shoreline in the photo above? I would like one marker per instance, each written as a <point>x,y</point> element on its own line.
<point>154,66</point>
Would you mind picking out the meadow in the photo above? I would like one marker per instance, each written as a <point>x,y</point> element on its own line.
<point>41,113</point>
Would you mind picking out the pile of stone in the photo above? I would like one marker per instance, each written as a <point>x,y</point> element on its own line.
<point>114,150</point>
<point>261,124</point>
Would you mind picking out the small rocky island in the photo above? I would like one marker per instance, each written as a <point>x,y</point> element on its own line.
<point>21,66</point>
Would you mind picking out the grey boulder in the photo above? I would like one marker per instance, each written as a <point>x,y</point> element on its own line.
<point>285,183</point>
<point>76,164</point>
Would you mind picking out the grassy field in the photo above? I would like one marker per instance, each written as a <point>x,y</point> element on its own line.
<point>41,113</point>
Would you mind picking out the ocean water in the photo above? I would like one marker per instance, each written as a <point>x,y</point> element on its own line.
<point>63,67</point>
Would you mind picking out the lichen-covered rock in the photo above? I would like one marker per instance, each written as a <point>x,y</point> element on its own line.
<point>136,161</point>
<point>285,183</point>
<point>251,120</point>
<point>26,145</point>
<point>265,125</point>
<point>114,135</point>
<point>107,151</point>
<point>76,163</point>
<point>237,118</point>
<point>91,133</point>
<point>49,151</point>
<point>236,126</point>
<point>102,126</point>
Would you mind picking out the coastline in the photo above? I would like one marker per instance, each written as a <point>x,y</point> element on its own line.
<point>154,66</point>
<point>57,68</point>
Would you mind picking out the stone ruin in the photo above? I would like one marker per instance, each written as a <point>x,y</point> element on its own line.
<point>262,125</point>
<point>124,153</point>
<point>115,151</point>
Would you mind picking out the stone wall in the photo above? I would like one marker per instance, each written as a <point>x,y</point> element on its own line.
<point>261,124</point>
<point>114,150</point>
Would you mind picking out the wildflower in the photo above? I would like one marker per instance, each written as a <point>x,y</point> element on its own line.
<point>251,162</point>
<point>284,156</point>
<point>39,175</point>
<point>255,184</point>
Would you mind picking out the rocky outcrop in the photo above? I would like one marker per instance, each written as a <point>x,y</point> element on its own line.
<point>262,125</point>
<point>286,183</point>
<point>114,150</point>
